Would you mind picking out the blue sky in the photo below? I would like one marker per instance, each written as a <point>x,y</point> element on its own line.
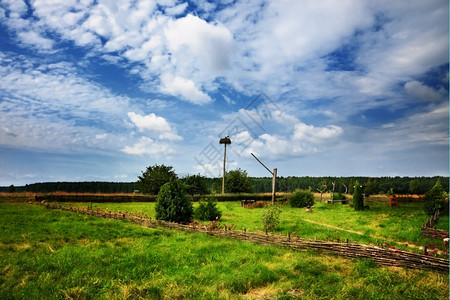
<point>99,90</point>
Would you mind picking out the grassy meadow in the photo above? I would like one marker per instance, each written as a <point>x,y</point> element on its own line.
<point>52,254</point>
<point>399,227</point>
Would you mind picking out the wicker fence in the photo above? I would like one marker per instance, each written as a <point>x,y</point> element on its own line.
<point>429,227</point>
<point>383,256</point>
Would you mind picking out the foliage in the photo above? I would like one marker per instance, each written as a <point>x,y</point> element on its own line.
<point>196,184</point>
<point>301,198</point>
<point>237,181</point>
<point>11,189</point>
<point>207,210</point>
<point>172,203</point>
<point>434,198</point>
<point>376,185</point>
<point>372,186</point>
<point>401,185</point>
<point>358,198</point>
<point>154,178</point>
<point>414,187</point>
<point>339,196</point>
<point>79,187</point>
<point>270,216</point>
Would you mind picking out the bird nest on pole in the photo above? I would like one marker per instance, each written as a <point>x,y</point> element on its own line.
<point>226,140</point>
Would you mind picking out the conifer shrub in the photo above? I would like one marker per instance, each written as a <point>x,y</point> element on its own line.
<point>301,198</point>
<point>207,210</point>
<point>172,203</point>
<point>358,197</point>
<point>434,198</point>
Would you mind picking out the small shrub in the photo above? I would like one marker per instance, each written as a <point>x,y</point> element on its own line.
<point>338,196</point>
<point>208,210</point>
<point>301,198</point>
<point>271,216</point>
<point>172,204</point>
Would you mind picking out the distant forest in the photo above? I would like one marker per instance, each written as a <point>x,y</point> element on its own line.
<point>372,185</point>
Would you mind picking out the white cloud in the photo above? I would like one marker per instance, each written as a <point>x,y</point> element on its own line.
<point>418,90</point>
<point>33,38</point>
<point>209,44</point>
<point>318,135</point>
<point>176,10</point>
<point>185,88</point>
<point>149,146</point>
<point>149,122</point>
<point>156,124</point>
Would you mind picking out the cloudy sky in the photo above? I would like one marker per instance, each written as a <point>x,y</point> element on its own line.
<point>99,90</point>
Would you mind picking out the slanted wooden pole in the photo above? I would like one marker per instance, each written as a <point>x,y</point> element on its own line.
<point>273,184</point>
<point>274,177</point>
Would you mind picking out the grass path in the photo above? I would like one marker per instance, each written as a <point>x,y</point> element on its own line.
<point>334,227</point>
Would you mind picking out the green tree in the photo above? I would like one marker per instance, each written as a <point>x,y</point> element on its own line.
<point>172,203</point>
<point>154,178</point>
<point>414,186</point>
<point>237,181</point>
<point>11,189</point>
<point>434,198</point>
<point>372,186</point>
<point>358,198</point>
<point>196,184</point>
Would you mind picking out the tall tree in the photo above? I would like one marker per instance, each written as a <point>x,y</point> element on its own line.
<point>196,184</point>
<point>237,181</point>
<point>154,178</point>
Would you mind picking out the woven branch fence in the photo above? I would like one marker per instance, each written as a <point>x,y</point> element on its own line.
<point>382,256</point>
<point>429,227</point>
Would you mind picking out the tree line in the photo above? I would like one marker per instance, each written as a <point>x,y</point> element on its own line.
<point>240,182</point>
<point>76,187</point>
<point>371,185</point>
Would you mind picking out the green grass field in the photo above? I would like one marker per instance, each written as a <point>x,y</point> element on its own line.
<point>52,254</point>
<point>399,227</point>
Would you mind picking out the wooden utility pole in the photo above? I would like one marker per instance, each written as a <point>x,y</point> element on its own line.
<point>274,176</point>
<point>273,184</point>
<point>226,141</point>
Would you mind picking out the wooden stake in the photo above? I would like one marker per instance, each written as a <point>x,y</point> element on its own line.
<point>273,184</point>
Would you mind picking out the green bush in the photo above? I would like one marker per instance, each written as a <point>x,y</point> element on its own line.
<point>338,196</point>
<point>358,198</point>
<point>270,216</point>
<point>207,210</point>
<point>172,204</point>
<point>434,198</point>
<point>301,198</point>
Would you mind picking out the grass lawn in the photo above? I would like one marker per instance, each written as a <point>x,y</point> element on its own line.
<point>52,254</point>
<point>400,227</point>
